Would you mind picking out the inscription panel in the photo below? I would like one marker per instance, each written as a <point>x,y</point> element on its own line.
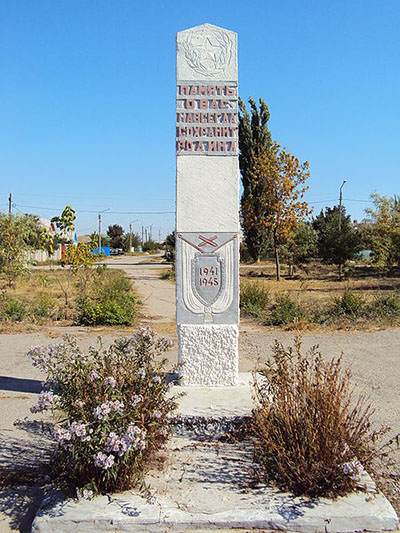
<point>206,119</point>
<point>207,278</point>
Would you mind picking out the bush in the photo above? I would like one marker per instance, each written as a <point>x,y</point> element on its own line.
<point>114,407</point>
<point>349,304</point>
<point>43,307</point>
<point>254,297</point>
<point>285,311</point>
<point>13,309</point>
<point>310,437</point>
<point>386,305</point>
<point>109,301</point>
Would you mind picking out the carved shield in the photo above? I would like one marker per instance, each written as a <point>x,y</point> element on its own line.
<point>207,277</point>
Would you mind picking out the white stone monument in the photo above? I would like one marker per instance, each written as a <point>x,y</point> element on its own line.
<point>207,205</point>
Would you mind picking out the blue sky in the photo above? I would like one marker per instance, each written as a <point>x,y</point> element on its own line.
<point>87,92</point>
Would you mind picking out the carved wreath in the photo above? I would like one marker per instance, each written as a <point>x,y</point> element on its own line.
<point>194,54</point>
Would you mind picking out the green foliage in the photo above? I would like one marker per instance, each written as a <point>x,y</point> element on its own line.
<point>254,298</point>
<point>311,434</point>
<point>115,233</point>
<point>386,305</point>
<point>112,410</point>
<point>12,308</point>
<point>350,304</point>
<point>15,234</point>
<point>109,301</point>
<point>383,231</point>
<point>127,241</point>
<point>302,248</point>
<point>336,246</point>
<point>254,137</point>
<point>285,311</point>
<point>149,246</point>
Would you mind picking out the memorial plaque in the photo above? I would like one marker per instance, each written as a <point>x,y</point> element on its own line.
<point>207,205</point>
<point>207,278</point>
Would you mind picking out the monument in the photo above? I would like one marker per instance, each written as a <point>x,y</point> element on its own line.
<point>207,205</point>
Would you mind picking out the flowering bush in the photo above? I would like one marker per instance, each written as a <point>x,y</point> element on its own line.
<point>114,409</point>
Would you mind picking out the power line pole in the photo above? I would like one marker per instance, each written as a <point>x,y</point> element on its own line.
<point>142,233</point>
<point>99,244</point>
<point>9,205</point>
<point>130,237</point>
<point>340,205</point>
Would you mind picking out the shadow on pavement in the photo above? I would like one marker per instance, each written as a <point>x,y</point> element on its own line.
<point>23,465</point>
<point>20,384</point>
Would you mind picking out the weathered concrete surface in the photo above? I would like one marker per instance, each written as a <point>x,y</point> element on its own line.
<point>207,485</point>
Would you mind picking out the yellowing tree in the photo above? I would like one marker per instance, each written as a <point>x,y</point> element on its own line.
<point>279,179</point>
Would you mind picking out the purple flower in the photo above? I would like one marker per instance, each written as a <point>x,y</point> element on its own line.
<point>136,398</point>
<point>93,375</point>
<point>141,373</point>
<point>47,400</point>
<point>156,379</point>
<point>101,460</point>
<point>157,413</point>
<point>110,381</point>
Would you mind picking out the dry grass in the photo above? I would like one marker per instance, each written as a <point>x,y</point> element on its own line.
<point>320,285</point>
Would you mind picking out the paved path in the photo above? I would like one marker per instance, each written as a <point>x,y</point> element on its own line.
<point>374,357</point>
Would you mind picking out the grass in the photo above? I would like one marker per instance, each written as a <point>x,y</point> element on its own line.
<point>39,300</point>
<point>365,299</point>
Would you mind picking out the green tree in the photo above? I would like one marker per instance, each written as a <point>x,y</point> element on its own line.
<point>16,233</point>
<point>78,260</point>
<point>336,245</point>
<point>383,230</point>
<point>115,232</point>
<point>254,138</point>
<point>279,179</point>
<point>126,240</point>
<point>302,247</point>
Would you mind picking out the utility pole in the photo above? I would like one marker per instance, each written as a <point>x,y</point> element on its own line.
<point>99,244</point>
<point>130,238</point>
<point>9,205</point>
<point>145,232</point>
<point>142,234</point>
<point>340,205</point>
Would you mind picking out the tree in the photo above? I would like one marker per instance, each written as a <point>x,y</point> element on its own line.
<point>336,246</point>
<point>126,241</point>
<point>78,259</point>
<point>278,206</point>
<point>16,232</point>
<point>302,247</point>
<point>115,232</point>
<point>254,138</point>
<point>383,230</point>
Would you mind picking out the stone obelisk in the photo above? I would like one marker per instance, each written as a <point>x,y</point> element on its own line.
<point>207,205</point>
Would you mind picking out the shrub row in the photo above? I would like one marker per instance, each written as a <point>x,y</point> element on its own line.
<point>255,300</point>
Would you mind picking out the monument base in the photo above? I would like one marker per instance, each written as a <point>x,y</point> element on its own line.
<point>209,354</point>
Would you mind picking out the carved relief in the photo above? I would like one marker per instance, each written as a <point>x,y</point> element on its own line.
<point>208,51</point>
<point>207,273</point>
